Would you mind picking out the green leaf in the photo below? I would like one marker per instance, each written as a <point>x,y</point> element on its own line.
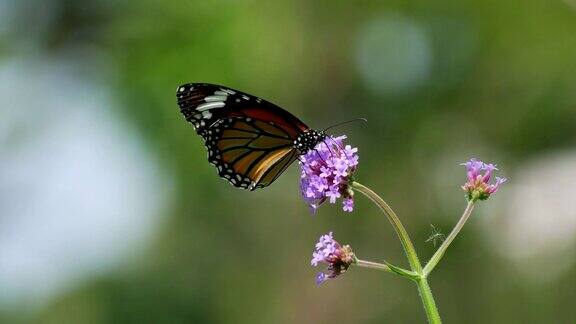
<point>403,272</point>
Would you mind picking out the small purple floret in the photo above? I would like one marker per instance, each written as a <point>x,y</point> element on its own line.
<point>320,278</point>
<point>348,204</point>
<point>326,172</point>
<point>478,187</point>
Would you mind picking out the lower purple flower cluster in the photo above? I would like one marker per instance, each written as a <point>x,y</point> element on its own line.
<point>329,251</point>
<point>326,172</point>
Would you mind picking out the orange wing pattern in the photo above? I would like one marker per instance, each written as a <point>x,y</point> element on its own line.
<point>249,153</point>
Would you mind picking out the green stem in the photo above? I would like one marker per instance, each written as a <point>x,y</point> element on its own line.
<point>372,265</point>
<point>442,249</point>
<point>428,301</point>
<point>396,224</point>
<point>388,268</point>
<point>420,279</point>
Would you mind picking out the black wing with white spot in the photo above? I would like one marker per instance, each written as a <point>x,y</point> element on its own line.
<point>202,104</point>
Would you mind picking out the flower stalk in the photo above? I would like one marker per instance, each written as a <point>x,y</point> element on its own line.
<point>388,268</point>
<point>372,265</point>
<point>442,249</point>
<point>396,224</point>
<point>421,281</point>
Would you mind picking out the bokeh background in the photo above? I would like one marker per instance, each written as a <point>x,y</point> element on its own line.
<point>109,212</point>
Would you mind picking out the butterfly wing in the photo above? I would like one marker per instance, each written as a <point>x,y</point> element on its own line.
<point>249,140</point>
<point>249,153</point>
<point>202,104</point>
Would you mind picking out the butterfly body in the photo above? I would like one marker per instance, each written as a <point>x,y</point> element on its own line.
<point>249,140</point>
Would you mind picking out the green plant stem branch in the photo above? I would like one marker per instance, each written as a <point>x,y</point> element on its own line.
<point>420,279</point>
<point>388,268</point>
<point>372,265</point>
<point>442,249</point>
<point>396,224</point>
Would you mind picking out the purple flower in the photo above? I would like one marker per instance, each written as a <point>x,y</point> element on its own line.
<point>320,278</point>
<point>478,187</point>
<point>338,257</point>
<point>348,204</point>
<point>326,172</point>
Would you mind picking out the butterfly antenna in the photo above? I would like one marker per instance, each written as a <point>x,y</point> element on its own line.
<point>320,156</point>
<point>346,122</point>
<point>338,144</point>
<point>329,146</point>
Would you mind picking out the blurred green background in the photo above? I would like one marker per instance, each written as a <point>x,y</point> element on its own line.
<point>109,212</point>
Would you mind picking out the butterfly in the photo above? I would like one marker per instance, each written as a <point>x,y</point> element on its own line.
<point>249,140</point>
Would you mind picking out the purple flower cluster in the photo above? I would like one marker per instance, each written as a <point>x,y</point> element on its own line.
<point>329,251</point>
<point>478,187</point>
<point>326,172</point>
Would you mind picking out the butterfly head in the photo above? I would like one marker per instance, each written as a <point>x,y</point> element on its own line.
<point>307,140</point>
